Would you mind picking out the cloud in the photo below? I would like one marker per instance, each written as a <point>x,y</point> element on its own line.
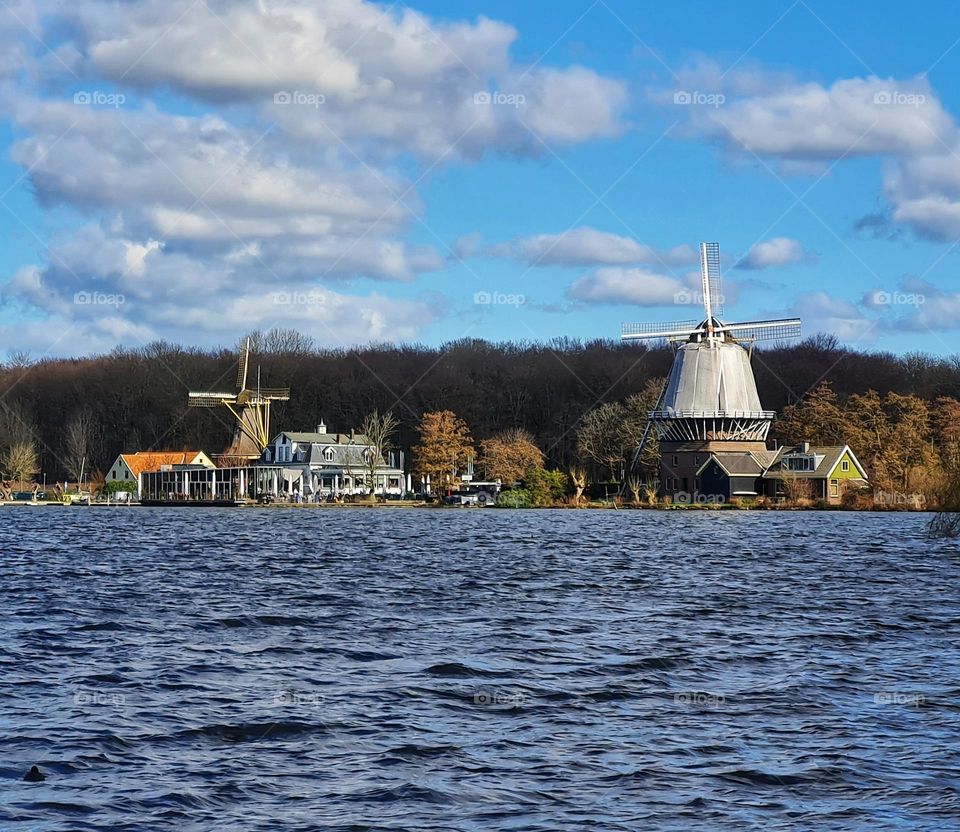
<point>636,286</point>
<point>778,251</point>
<point>587,246</point>
<point>802,127</point>
<point>821,312</point>
<point>207,155</point>
<point>850,118</point>
<point>350,71</point>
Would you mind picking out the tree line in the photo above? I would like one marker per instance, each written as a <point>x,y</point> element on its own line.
<point>84,411</point>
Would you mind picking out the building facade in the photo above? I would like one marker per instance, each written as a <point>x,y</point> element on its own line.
<point>320,465</point>
<point>130,468</point>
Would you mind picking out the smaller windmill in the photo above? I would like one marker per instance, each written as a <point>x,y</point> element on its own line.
<point>250,406</point>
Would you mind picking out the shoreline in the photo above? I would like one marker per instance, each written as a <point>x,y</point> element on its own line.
<point>400,505</point>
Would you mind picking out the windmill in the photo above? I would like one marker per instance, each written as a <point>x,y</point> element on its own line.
<point>710,401</point>
<point>249,406</point>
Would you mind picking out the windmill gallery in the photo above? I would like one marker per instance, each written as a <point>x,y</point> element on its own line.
<point>709,424</point>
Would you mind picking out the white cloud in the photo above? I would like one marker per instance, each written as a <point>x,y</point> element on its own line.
<point>627,286</point>
<point>852,117</point>
<point>777,251</point>
<point>353,71</point>
<point>587,246</point>
<point>821,312</point>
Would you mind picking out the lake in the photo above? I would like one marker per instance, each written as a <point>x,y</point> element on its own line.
<point>349,669</point>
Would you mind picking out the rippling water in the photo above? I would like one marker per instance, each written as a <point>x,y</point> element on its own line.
<point>477,670</point>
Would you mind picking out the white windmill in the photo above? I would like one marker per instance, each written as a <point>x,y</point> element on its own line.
<point>710,401</point>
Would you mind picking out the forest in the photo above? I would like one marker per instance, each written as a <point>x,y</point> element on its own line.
<point>136,399</point>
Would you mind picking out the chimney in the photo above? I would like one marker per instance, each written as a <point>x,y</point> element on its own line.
<point>805,447</point>
<point>321,428</point>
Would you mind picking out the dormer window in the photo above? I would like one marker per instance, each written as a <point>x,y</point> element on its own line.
<point>328,454</point>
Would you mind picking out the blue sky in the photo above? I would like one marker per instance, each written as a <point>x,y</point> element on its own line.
<point>430,171</point>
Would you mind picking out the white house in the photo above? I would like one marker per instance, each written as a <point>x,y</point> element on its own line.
<point>319,464</point>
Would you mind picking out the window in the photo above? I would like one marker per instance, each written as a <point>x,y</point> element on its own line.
<point>834,488</point>
<point>845,465</point>
<point>696,460</point>
<point>328,454</point>
<point>676,460</point>
<point>799,462</point>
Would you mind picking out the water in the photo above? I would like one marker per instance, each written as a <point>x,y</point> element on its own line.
<point>477,670</point>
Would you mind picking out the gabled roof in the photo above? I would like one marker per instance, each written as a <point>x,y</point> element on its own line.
<point>735,464</point>
<point>324,438</point>
<point>830,456</point>
<point>153,460</point>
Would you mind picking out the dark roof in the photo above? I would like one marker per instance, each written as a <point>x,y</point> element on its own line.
<point>327,438</point>
<point>737,465</point>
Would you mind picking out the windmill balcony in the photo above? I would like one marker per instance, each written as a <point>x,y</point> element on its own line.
<point>658,415</point>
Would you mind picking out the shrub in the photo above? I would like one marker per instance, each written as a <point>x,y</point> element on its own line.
<point>545,487</point>
<point>514,498</point>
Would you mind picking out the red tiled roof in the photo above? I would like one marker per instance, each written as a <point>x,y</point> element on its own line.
<point>153,460</point>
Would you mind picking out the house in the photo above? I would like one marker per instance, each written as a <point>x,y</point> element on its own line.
<point>320,464</point>
<point>727,475</point>
<point>816,472</point>
<point>129,468</point>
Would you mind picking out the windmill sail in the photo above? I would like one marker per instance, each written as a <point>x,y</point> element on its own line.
<point>669,329</point>
<point>710,279</point>
<point>763,330</point>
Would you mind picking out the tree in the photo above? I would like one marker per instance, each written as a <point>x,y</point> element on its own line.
<point>946,420</point>
<point>817,418</point>
<point>510,455</point>
<point>445,447</point>
<point>20,461</point>
<point>378,429</point>
<point>578,478</point>
<point>78,436</point>
<point>637,411</point>
<point>602,438</point>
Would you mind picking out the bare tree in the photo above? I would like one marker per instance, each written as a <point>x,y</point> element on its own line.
<point>20,461</point>
<point>378,429</point>
<point>78,437</point>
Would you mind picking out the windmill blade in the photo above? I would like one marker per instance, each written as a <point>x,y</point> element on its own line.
<point>669,329</point>
<point>763,330</point>
<point>277,393</point>
<point>209,399</point>
<point>710,279</point>
<point>244,363</point>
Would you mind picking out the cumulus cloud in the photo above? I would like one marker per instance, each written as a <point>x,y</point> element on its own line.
<point>636,286</point>
<point>354,71</point>
<point>801,127</point>
<point>821,312</point>
<point>778,251</point>
<point>272,160</point>
<point>587,246</point>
